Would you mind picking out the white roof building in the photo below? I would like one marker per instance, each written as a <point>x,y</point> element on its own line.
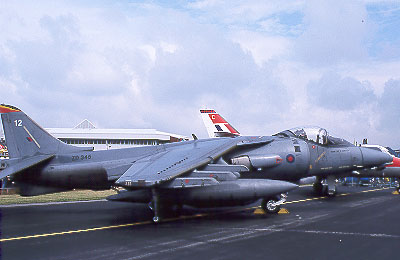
<point>85,134</point>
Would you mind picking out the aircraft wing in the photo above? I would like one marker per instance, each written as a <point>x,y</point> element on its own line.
<point>174,161</point>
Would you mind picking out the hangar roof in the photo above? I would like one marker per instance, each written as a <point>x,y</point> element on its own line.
<point>86,130</point>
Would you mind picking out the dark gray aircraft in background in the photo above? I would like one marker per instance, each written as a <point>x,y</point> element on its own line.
<point>186,173</point>
<point>299,153</point>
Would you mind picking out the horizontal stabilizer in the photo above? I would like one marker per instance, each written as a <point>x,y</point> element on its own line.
<point>24,164</point>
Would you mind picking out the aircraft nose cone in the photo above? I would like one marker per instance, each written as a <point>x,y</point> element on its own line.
<point>372,158</point>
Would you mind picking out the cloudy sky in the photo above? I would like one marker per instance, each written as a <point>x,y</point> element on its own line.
<point>265,67</point>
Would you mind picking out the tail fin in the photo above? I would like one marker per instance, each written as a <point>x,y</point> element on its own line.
<point>216,125</point>
<point>25,138</point>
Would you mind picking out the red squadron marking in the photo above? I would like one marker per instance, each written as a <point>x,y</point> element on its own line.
<point>231,129</point>
<point>217,119</point>
<point>8,109</point>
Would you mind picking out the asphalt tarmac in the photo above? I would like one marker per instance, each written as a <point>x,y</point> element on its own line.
<point>360,223</point>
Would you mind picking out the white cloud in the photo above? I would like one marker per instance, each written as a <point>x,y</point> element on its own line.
<point>169,47</point>
<point>262,47</point>
<point>335,32</point>
<point>336,93</point>
<point>124,64</point>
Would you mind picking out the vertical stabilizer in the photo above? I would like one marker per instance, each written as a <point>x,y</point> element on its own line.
<point>25,138</point>
<point>216,125</point>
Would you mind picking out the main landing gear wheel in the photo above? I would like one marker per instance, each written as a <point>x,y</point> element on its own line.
<point>325,186</point>
<point>270,205</point>
<point>332,192</point>
<point>318,188</point>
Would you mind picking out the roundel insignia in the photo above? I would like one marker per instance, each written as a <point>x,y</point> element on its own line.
<point>290,158</point>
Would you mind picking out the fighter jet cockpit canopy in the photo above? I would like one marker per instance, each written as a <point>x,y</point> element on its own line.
<point>314,134</point>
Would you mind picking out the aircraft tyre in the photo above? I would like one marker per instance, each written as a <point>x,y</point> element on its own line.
<point>331,192</point>
<point>318,188</point>
<point>269,206</point>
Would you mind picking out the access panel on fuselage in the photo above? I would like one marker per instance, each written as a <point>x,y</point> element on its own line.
<point>302,157</point>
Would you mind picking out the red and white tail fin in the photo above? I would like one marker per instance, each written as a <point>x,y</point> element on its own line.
<point>216,125</point>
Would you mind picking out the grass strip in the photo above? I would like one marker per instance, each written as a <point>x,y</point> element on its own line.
<point>75,195</point>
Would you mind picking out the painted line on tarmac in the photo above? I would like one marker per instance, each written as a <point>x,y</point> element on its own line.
<point>165,220</point>
<point>98,228</point>
<point>74,231</point>
<point>49,203</point>
<point>321,232</point>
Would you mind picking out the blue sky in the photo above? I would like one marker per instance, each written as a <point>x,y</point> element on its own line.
<point>153,64</point>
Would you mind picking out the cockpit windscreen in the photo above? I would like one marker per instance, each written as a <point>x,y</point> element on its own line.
<point>312,133</point>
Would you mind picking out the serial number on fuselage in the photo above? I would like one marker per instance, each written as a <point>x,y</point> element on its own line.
<point>81,157</point>
<point>340,151</point>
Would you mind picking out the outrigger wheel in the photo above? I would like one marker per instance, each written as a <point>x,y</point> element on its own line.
<point>270,205</point>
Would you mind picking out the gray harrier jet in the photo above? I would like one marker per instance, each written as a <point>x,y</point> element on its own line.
<point>299,153</point>
<point>186,173</point>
